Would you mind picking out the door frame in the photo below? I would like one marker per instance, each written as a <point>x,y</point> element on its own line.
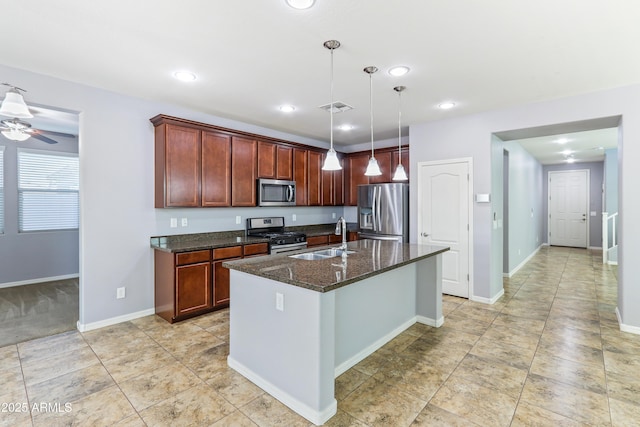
<point>469,162</point>
<point>588,202</point>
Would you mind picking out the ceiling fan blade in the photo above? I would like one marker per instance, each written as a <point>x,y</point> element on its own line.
<point>53,133</point>
<point>43,138</point>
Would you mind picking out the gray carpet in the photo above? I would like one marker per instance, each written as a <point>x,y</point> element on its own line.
<point>37,310</point>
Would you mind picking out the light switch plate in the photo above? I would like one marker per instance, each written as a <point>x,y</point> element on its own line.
<point>293,217</point>
<point>173,223</point>
<point>184,222</point>
<point>238,219</point>
<point>279,301</point>
<point>120,293</point>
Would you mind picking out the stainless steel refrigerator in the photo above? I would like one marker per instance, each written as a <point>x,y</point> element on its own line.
<point>383,212</point>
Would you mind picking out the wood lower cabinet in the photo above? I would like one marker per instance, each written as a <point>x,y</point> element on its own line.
<point>188,284</point>
<point>352,235</point>
<point>317,240</point>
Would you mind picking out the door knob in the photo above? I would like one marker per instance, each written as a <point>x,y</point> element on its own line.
<point>425,235</point>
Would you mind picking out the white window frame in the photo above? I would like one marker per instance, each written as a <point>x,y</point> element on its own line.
<point>23,191</point>
<point>2,198</point>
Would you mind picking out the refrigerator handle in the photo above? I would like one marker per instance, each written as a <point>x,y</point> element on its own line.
<point>378,214</point>
<point>373,209</point>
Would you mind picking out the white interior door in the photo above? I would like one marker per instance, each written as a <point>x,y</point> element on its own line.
<point>443,219</point>
<point>568,206</point>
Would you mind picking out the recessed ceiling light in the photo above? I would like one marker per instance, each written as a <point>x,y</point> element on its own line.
<point>398,71</point>
<point>300,4</point>
<point>567,152</point>
<point>446,105</point>
<point>345,127</point>
<point>287,108</point>
<point>184,76</point>
<point>561,140</point>
<point>571,160</point>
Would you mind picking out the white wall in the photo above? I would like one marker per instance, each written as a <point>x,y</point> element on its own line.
<point>470,136</point>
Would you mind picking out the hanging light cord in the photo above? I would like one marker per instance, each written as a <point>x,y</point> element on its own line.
<point>331,105</point>
<point>371,108</point>
<point>399,122</point>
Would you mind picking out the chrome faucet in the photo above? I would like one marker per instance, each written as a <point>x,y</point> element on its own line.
<point>341,226</point>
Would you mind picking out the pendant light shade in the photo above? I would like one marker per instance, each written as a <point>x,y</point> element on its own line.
<point>13,104</point>
<point>15,135</point>
<point>331,162</point>
<point>400,174</point>
<point>373,169</point>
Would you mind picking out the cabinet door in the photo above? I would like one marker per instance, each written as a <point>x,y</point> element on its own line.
<point>243,171</point>
<point>328,196</point>
<point>266,160</point>
<point>384,161</point>
<point>193,288</point>
<point>182,166</point>
<point>338,187</point>
<point>284,166</point>
<point>314,196</point>
<point>317,240</point>
<point>216,169</point>
<point>221,283</point>
<point>300,162</point>
<point>354,176</point>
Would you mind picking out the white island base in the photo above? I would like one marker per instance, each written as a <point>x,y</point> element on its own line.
<point>296,353</point>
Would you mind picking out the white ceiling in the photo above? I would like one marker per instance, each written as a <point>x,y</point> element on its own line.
<point>252,56</point>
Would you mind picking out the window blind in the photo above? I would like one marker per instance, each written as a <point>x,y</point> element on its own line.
<point>48,196</point>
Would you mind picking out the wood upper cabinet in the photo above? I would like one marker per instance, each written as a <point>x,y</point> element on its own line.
<point>284,162</point>
<point>216,169</point>
<point>300,167</point>
<point>333,187</point>
<point>384,161</point>
<point>266,160</point>
<point>243,171</point>
<point>355,168</point>
<point>177,166</point>
<point>314,196</point>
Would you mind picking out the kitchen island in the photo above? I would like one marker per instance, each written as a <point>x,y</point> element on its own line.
<point>297,324</point>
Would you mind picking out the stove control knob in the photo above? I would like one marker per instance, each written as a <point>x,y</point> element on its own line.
<point>280,242</point>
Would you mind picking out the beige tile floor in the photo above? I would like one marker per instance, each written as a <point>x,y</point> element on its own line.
<point>548,353</point>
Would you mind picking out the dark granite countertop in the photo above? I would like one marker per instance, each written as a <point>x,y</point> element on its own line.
<point>371,258</point>
<point>200,241</point>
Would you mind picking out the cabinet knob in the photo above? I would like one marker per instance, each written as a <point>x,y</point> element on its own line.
<point>425,235</point>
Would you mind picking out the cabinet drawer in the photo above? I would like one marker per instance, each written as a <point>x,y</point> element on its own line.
<point>256,249</point>
<point>318,240</point>
<point>230,252</point>
<point>192,257</point>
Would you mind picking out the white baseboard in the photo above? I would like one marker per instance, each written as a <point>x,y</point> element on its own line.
<point>430,322</point>
<point>316,417</point>
<point>491,300</point>
<point>40,280</point>
<point>522,264</point>
<point>612,262</point>
<point>367,351</point>
<point>84,327</point>
<point>626,328</point>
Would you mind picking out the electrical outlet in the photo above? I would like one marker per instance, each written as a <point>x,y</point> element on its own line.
<point>173,223</point>
<point>238,219</point>
<point>120,293</point>
<point>184,222</point>
<point>279,301</point>
<point>293,217</point>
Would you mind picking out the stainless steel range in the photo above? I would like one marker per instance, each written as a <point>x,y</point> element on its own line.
<point>272,228</point>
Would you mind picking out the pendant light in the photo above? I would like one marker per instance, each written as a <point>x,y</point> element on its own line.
<point>372,168</point>
<point>13,104</point>
<point>400,174</point>
<point>331,162</point>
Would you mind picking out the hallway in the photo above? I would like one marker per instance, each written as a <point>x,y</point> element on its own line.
<point>548,353</point>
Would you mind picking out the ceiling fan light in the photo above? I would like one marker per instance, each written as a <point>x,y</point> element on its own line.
<point>373,169</point>
<point>300,4</point>
<point>14,106</point>
<point>15,135</point>
<point>331,162</point>
<point>400,174</point>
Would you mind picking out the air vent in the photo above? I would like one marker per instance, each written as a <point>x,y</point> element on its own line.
<point>338,107</point>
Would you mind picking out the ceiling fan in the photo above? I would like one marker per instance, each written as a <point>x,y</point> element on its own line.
<point>15,129</point>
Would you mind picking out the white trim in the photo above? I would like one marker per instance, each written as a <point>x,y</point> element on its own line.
<point>522,264</point>
<point>612,262</point>
<point>470,205</point>
<point>492,300</point>
<point>316,417</point>
<point>430,322</point>
<point>626,328</point>
<point>40,280</point>
<point>370,349</point>
<point>82,327</point>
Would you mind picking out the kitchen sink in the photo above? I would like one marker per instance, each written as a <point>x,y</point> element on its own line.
<point>322,254</point>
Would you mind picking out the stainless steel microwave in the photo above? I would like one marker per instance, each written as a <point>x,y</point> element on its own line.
<point>276,192</point>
